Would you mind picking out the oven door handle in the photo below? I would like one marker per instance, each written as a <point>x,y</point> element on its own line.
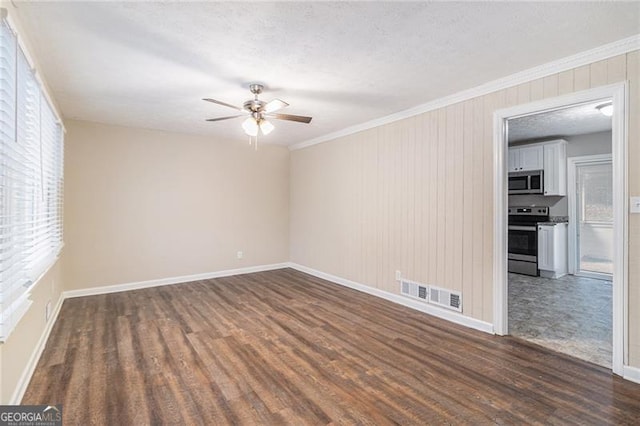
<point>521,228</point>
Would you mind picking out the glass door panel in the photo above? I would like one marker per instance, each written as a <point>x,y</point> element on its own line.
<point>595,218</point>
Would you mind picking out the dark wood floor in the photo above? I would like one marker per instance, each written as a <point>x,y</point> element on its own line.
<point>283,347</point>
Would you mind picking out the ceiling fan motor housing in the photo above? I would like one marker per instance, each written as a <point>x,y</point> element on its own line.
<point>254,105</point>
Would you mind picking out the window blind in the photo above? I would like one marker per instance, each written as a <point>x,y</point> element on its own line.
<point>31,159</point>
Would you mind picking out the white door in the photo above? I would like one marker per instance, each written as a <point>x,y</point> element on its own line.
<point>594,219</point>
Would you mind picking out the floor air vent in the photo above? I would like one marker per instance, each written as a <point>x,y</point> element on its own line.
<point>433,295</point>
<point>415,290</point>
<point>446,298</point>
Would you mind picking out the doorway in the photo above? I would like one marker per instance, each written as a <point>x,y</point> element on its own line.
<point>616,94</point>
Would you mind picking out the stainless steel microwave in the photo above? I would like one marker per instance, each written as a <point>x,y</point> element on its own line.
<point>529,182</point>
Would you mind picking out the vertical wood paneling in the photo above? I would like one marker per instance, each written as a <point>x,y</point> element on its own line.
<point>478,201</point>
<point>396,213</point>
<point>403,205</point>
<point>420,198</point>
<point>412,184</point>
<point>550,86</point>
<point>449,206</point>
<point>565,82</point>
<point>385,205</point>
<point>524,93</point>
<point>380,210</point>
<point>421,194</point>
<point>433,196</point>
<point>582,78</point>
<point>440,248</point>
<point>468,208</point>
<point>393,197</point>
<point>370,209</point>
<point>353,265</point>
<point>616,69</point>
<point>350,201</point>
<point>512,96</point>
<point>598,73</point>
<point>458,193</point>
<point>426,202</point>
<point>536,88</point>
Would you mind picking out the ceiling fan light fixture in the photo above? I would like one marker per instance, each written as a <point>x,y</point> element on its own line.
<point>250,126</point>
<point>606,109</point>
<point>266,127</point>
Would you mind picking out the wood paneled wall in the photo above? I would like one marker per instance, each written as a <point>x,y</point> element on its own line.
<point>417,195</point>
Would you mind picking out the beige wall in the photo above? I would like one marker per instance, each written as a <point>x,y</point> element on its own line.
<point>144,204</point>
<point>18,349</point>
<point>412,195</point>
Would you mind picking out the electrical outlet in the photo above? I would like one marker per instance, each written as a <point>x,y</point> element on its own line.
<point>398,275</point>
<point>47,311</point>
<point>240,255</point>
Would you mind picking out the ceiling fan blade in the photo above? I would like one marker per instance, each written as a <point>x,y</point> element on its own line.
<point>223,118</point>
<point>298,118</point>
<point>275,105</point>
<point>222,103</point>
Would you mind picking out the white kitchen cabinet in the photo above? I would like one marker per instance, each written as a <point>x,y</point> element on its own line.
<point>526,158</point>
<point>552,250</point>
<point>555,167</point>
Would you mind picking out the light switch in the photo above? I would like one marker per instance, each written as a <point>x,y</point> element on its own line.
<point>634,205</point>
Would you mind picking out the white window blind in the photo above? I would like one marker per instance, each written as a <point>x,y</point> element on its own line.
<point>31,151</point>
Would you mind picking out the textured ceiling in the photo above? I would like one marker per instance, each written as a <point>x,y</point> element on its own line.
<point>149,64</point>
<point>575,120</point>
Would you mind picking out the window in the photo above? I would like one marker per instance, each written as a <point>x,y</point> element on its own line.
<point>31,150</point>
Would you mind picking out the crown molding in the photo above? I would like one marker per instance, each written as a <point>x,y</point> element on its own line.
<point>600,53</point>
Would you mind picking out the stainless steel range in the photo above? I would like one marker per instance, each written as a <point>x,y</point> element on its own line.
<point>523,238</point>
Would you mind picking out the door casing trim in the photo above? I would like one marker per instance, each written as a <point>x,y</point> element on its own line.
<point>618,94</point>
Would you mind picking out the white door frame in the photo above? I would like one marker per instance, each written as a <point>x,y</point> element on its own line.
<point>618,94</point>
<point>572,163</point>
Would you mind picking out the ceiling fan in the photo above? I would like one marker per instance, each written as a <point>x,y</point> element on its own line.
<point>259,112</point>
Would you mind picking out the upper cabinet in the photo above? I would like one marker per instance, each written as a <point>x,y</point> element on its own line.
<point>555,167</point>
<point>526,158</point>
<point>549,156</point>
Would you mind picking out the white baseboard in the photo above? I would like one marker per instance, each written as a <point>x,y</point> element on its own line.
<point>92,291</point>
<point>631,373</point>
<point>25,378</point>
<point>413,304</point>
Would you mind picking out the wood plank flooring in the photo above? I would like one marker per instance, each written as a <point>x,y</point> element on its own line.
<point>282,347</point>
